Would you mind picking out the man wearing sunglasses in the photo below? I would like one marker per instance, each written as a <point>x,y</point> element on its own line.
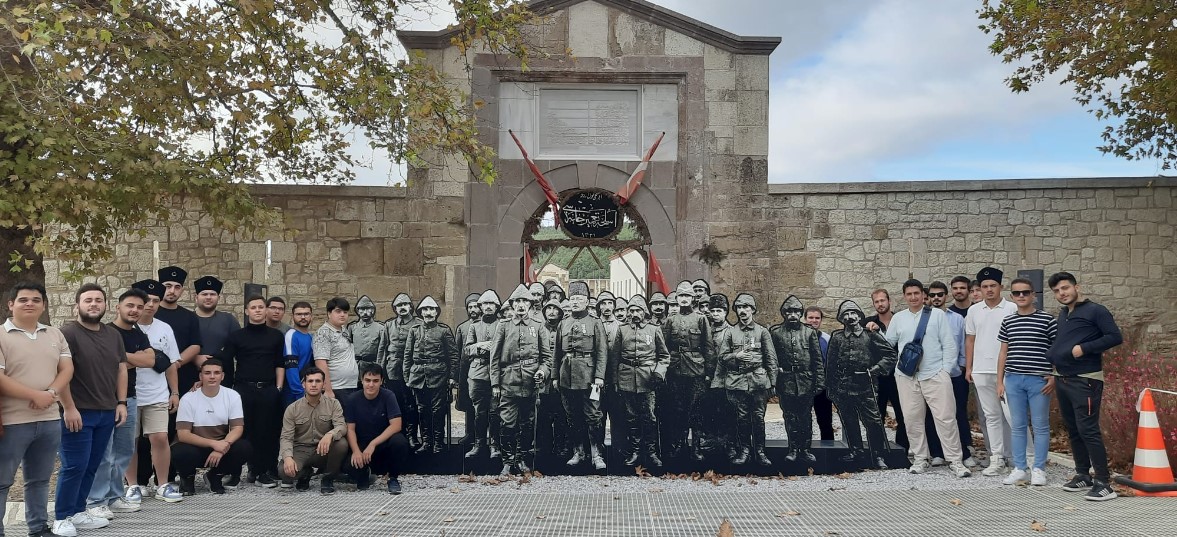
<point>938,298</point>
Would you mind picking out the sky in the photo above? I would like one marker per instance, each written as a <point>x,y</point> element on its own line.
<point>890,90</point>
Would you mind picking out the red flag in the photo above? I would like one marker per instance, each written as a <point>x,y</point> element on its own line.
<point>553,200</point>
<point>654,274</point>
<point>528,276</point>
<point>635,180</point>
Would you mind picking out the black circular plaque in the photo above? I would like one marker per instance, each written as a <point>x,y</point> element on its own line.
<point>590,214</point>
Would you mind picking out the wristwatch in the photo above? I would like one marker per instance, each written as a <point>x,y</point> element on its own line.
<point>124,403</point>
<point>53,392</point>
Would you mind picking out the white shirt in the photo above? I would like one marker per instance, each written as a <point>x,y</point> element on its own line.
<point>330,345</point>
<point>939,341</point>
<point>150,387</point>
<point>211,417</point>
<point>984,323</point>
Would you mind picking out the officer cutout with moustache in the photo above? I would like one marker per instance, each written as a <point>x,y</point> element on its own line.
<point>800,375</point>
<point>520,360</point>
<point>746,370</point>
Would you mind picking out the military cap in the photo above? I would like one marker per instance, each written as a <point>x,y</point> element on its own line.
<point>489,296</point>
<point>640,302</point>
<point>173,274</point>
<point>791,303</point>
<point>656,297</point>
<point>402,298</point>
<point>536,287</point>
<point>428,302</point>
<point>151,287</point>
<point>553,303</point>
<point>621,303</point>
<point>605,295</point>
<point>365,302</point>
<point>554,287</point>
<point>522,292</point>
<point>577,288</point>
<point>718,300</point>
<point>744,299</point>
<point>672,298</point>
<point>684,288</point>
<point>209,283</point>
<point>701,284</point>
<point>848,305</point>
<point>989,273</point>
<point>471,298</point>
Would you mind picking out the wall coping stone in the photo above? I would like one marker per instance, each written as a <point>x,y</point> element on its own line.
<point>339,191</point>
<point>969,185</point>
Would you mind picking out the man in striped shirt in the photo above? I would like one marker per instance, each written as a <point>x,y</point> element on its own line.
<point>1025,379</point>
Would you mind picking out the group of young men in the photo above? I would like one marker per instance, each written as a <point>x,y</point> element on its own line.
<point>168,390</point>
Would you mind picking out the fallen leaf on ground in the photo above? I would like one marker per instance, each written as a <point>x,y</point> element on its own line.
<point>448,520</point>
<point>540,517</point>
<point>536,473</point>
<point>655,513</point>
<point>726,529</point>
<point>843,475</point>
<point>832,533</point>
<point>788,513</point>
<point>382,513</point>
<point>455,490</point>
<point>1037,526</point>
<point>1069,508</point>
<point>793,478</point>
<point>467,478</point>
<point>692,517</point>
<point>955,501</point>
<point>657,490</point>
<point>811,471</point>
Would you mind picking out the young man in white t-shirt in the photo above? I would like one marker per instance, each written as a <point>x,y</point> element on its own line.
<point>156,395</point>
<point>209,427</point>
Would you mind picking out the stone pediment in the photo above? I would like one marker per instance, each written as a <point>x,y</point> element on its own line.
<point>658,15</point>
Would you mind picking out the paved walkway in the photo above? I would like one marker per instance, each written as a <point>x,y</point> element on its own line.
<point>996,512</point>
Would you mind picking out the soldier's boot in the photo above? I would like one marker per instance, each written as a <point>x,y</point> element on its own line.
<point>634,450</point>
<point>792,456</point>
<point>597,451</point>
<point>880,462</point>
<point>696,450</point>
<point>740,457</point>
<point>758,446</point>
<point>426,439</point>
<point>492,447</point>
<point>652,455</point>
<point>850,456</point>
<point>577,456</point>
<point>411,434</point>
<point>506,466</point>
<point>439,443</point>
<point>479,449</point>
<point>808,456</point>
<point>521,461</point>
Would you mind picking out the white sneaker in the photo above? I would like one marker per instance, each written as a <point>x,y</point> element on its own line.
<point>996,465</point>
<point>64,528</point>
<point>135,494</point>
<point>919,466</point>
<point>84,521</point>
<point>100,511</point>
<point>1038,477</point>
<point>169,492</point>
<point>120,505</point>
<point>971,463</point>
<point>937,461</point>
<point>1015,475</point>
<point>960,470</point>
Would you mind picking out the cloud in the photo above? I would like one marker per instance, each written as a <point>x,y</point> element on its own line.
<point>904,78</point>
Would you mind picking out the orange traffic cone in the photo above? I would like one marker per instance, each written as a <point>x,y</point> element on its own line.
<point>1151,474</point>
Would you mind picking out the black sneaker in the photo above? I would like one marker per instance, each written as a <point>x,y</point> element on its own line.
<point>233,481</point>
<point>1079,483</point>
<point>188,486</point>
<point>46,532</point>
<point>1100,492</point>
<point>394,486</point>
<point>214,483</point>
<point>327,486</point>
<point>303,484</point>
<point>267,480</point>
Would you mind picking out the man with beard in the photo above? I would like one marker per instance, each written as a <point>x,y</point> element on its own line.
<point>582,352</point>
<point>299,351</point>
<point>887,392</point>
<point>365,333</point>
<point>855,358</point>
<point>688,340</point>
<point>551,423</point>
<point>961,300</point>
<point>823,408</point>
<point>215,326</point>
<point>657,314</point>
<point>747,362</point>
<point>477,347</point>
<point>185,326</point>
<point>641,359</point>
<point>93,404</point>
<point>538,292</point>
<point>605,304</point>
<point>800,375</point>
<point>430,366</point>
<point>257,352</point>
<point>463,403</point>
<point>610,401</point>
<point>396,332</point>
<point>314,435</point>
<point>520,359</point>
<point>275,313</point>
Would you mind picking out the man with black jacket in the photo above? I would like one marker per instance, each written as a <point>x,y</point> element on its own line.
<point>1085,331</point>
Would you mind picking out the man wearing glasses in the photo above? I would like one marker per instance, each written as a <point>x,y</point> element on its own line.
<point>938,298</point>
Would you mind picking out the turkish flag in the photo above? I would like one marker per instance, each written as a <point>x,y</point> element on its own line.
<point>549,192</point>
<point>654,275</point>
<point>635,179</point>
<point>528,275</point>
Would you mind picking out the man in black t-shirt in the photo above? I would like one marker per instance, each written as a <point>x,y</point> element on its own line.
<point>374,432</point>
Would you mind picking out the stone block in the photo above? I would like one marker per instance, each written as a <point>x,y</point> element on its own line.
<point>677,44</point>
<point>364,257</point>
<point>283,251</point>
<point>716,58</point>
<point>720,80</point>
<point>251,251</point>
<point>721,114</point>
<point>342,230</point>
<point>380,230</point>
<point>590,39</point>
<point>403,257</point>
<point>635,37</point>
<point>444,246</point>
<point>753,108</point>
<point>751,72</point>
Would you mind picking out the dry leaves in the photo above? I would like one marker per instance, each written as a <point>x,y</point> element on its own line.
<point>811,471</point>
<point>448,520</point>
<point>726,529</point>
<point>788,514</point>
<point>1069,508</point>
<point>467,478</point>
<point>641,471</point>
<point>540,517</point>
<point>843,475</point>
<point>956,501</point>
<point>1037,526</point>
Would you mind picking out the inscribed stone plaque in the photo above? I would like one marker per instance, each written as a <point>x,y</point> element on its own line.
<point>590,214</point>
<point>589,123</point>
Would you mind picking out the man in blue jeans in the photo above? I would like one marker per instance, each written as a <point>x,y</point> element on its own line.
<point>107,493</point>
<point>94,402</point>
<point>1085,331</point>
<point>1025,379</point>
<point>35,366</point>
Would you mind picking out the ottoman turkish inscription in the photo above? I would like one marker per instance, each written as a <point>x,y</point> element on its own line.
<point>589,122</point>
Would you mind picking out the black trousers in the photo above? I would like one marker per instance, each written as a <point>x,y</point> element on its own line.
<point>640,420</point>
<point>889,393</point>
<point>187,458</point>
<point>486,414</point>
<point>798,424</point>
<point>432,406</point>
<point>960,390</point>
<point>517,438</point>
<point>408,405</point>
<point>389,458</point>
<point>679,409</point>
<point>1079,400</point>
<point>262,405</point>
<point>823,410</point>
<point>749,409</point>
<point>585,419</point>
<point>718,426</point>
<point>854,408</point>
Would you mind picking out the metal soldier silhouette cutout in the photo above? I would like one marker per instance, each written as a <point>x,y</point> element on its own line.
<point>520,359</point>
<point>551,422</point>
<point>688,339</point>
<point>855,358</point>
<point>477,347</point>
<point>641,359</point>
<point>430,366</point>
<point>800,375</point>
<point>463,402</point>
<point>746,370</point>
<point>396,332</point>
<point>365,333</point>
<point>581,356</point>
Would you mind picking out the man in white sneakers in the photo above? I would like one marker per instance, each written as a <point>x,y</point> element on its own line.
<point>981,350</point>
<point>1025,378</point>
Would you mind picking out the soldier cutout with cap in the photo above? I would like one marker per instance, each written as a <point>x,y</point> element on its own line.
<point>800,375</point>
<point>392,358</point>
<point>520,360</point>
<point>430,367</point>
<point>688,339</point>
<point>551,428</point>
<point>746,370</point>
<point>855,357</point>
<point>365,333</point>
<point>641,359</point>
<point>582,354</point>
<point>476,346</point>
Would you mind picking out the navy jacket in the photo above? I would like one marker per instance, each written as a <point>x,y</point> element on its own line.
<point>1090,326</point>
